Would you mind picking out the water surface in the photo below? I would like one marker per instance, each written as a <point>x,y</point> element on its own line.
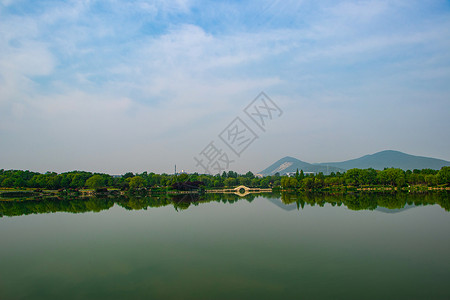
<point>383,246</point>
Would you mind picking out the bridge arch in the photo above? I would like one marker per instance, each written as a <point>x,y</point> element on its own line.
<point>237,189</point>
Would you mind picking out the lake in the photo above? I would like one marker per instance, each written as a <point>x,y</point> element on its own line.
<point>270,246</point>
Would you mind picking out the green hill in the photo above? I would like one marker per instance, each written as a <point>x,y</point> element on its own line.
<point>391,159</point>
<point>290,164</point>
<point>378,161</point>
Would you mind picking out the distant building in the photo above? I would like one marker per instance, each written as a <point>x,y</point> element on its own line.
<point>292,174</point>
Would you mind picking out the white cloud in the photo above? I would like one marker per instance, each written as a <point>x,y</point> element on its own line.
<point>364,11</point>
<point>99,74</point>
<point>8,2</point>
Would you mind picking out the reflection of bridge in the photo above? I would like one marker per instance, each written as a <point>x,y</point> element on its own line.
<point>241,190</point>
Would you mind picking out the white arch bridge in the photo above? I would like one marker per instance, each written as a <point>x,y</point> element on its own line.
<point>241,190</point>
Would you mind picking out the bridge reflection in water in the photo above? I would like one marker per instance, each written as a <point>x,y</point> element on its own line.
<point>241,191</point>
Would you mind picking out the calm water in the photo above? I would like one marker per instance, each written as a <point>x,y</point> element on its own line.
<point>392,246</point>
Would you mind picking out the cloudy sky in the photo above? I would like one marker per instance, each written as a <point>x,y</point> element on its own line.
<point>115,86</point>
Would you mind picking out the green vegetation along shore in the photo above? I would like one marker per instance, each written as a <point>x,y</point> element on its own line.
<point>17,181</point>
<point>353,201</point>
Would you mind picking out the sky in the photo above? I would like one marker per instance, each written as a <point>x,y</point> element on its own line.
<point>115,86</point>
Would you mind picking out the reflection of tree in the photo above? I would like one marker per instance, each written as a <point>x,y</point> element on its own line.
<point>368,201</point>
<point>393,200</point>
<point>445,203</point>
<point>50,205</point>
<point>289,198</point>
<point>138,203</point>
<point>353,201</point>
<point>360,202</point>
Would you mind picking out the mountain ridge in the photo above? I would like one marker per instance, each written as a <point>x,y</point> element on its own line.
<point>378,161</point>
<point>290,164</point>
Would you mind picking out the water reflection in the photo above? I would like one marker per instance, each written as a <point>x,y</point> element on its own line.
<point>370,201</point>
<point>387,202</point>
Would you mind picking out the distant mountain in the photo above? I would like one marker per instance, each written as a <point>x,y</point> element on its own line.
<point>378,161</point>
<point>391,159</point>
<point>395,210</point>
<point>290,164</point>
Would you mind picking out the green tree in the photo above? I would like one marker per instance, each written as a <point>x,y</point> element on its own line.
<point>127,175</point>
<point>319,180</point>
<point>78,181</point>
<point>443,176</point>
<point>331,181</point>
<point>431,180</point>
<point>232,174</point>
<point>264,183</point>
<point>244,180</point>
<point>367,176</point>
<point>292,182</point>
<point>218,183</point>
<point>8,182</point>
<point>136,182</point>
<point>308,183</point>
<point>254,182</point>
<point>392,176</point>
<point>249,175</point>
<point>352,177</point>
<point>95,181</point>
<point>53,181</point>
<point>229,182</point>
<point>301,176</point>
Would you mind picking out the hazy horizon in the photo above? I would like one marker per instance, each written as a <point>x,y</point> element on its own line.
<point>178,169</point>
<point>118,86</point>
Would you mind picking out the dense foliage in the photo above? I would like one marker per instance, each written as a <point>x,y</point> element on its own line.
<point>368,178</point>
<point>353,177</point>
<point>353,201</point>
<point>80,179</point>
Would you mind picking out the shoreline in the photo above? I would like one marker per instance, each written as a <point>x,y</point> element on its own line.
<point>10,194</point>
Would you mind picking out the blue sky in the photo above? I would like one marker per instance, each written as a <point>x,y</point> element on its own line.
<point>116,86</point>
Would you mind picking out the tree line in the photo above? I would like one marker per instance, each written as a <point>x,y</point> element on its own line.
<point>354,178</point>
<point>82,179</point>
<point>353,201</point>
<point>392,177</point>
